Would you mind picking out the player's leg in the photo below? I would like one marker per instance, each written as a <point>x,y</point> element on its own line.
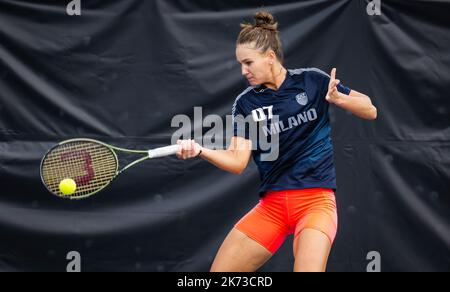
<point>311,251</point>
<point>240,253</point>
<point>316,226</point>
<point>254,239</point>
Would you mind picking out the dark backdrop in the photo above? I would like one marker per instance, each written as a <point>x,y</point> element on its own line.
<point>123,69</point>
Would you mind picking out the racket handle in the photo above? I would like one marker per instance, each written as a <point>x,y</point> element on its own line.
<point>163,151</point>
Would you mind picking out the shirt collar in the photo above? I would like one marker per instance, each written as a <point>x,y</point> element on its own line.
<point>261,88</point>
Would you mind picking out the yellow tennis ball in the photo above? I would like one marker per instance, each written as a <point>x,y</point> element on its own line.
<point>68,186</point>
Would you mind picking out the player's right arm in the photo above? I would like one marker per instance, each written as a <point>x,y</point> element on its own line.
<point>234,159</point>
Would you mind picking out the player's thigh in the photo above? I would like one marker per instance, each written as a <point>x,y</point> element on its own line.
<point>240,253</point>
<point>311,251</point>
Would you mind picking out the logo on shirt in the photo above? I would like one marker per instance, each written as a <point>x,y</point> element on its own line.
<point>302,98</point>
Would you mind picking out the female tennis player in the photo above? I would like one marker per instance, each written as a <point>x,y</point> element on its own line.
<point>297,189</point>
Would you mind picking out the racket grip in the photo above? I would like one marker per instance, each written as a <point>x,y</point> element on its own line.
<point>163,151</point>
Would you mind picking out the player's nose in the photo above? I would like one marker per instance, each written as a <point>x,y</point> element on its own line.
<point>244,70</point>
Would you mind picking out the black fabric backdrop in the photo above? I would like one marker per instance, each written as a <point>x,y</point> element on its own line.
<point>123,69</point>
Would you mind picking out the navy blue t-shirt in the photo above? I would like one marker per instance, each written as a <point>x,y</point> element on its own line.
<point>297,115</point>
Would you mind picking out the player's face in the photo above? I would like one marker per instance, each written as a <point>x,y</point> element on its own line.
<point>255,65</point>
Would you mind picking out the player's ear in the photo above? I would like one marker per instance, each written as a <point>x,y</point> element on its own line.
<point>272,57</point>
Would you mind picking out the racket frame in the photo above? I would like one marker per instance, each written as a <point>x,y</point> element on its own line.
<point>113,149</point>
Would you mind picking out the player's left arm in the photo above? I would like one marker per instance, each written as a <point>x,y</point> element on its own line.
<point>356,102</point>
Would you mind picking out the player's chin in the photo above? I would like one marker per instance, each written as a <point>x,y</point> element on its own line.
<point>253,82</point>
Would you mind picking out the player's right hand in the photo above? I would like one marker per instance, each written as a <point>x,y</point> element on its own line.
<point>188,149</point>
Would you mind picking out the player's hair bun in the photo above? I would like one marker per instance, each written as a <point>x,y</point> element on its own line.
<point>265,20</point>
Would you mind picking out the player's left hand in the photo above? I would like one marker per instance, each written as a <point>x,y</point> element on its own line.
<point>333,95</point>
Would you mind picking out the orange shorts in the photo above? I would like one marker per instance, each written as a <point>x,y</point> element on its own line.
<point>281,213</point>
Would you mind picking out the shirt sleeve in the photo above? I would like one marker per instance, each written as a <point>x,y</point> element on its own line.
<point>240,125</point>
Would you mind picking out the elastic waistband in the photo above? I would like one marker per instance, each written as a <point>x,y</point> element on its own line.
<point>300,191</point>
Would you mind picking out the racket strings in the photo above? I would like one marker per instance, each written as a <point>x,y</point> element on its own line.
<point>91,165</point>
<point>55,165</point>
<point>85,185</point>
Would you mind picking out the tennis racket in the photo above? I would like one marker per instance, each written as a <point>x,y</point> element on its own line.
<point>91,164</point>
